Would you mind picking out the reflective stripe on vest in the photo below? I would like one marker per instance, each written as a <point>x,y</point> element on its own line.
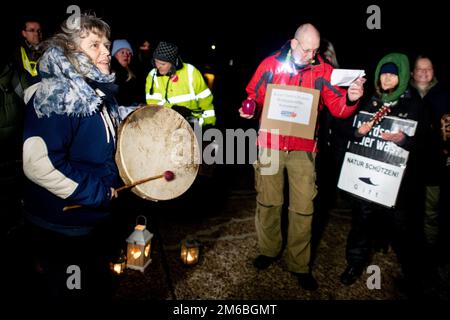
<point>155,96</point>
<point>181,98</point>
<point>205,93</point>
<point>191,80</point>
<point>30,66</point>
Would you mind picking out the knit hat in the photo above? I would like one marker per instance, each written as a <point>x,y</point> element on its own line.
<point>120,44</point>
<point>389,68</point>
<point>167,52</point>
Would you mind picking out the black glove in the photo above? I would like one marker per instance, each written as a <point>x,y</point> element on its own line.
<point>185,112</point>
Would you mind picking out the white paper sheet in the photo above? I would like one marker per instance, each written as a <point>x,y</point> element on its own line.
<point>291,106</point>
<point>345,77</point>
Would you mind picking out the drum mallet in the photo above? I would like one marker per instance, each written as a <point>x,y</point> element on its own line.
<point>168,175</point>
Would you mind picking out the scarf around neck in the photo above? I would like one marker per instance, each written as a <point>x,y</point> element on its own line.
<point>64,90</point>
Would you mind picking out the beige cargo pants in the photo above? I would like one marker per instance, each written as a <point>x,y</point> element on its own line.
<point>300,167</point>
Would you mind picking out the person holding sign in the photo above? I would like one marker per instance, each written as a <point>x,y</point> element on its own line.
<point>287,87</point>
<point>395,103</point>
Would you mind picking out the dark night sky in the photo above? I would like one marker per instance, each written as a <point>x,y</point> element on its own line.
<point>248,32</point>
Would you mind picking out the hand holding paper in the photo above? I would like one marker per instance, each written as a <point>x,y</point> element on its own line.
<point>356,89</point>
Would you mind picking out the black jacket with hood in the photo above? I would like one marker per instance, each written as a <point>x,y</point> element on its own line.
<point>407,104</point>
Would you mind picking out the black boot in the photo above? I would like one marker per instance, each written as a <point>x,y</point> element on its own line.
<point>351,274</point>
<point>307,281</point>
<point>263,262</point>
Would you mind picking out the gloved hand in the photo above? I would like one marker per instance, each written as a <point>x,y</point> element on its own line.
<point>185,112</point>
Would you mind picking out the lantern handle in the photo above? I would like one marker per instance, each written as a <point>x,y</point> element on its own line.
<point>141,216</point>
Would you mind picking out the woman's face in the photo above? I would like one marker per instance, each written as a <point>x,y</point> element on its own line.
<point>388,81</point>
<point>162,66</point>
<point>423,72</point>
<point>124,57</point>
<point>96,47</point>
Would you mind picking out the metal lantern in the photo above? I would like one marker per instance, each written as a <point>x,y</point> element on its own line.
<point>118,266</point>
<point>139,246</point>
<point>190,251</point>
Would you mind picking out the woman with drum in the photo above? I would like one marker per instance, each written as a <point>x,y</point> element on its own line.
<point>68,158</point>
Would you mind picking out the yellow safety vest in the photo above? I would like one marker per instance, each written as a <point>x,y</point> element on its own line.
<point>30,66</point>
<point>186,88</point>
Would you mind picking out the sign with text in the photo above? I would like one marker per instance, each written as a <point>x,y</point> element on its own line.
<point>373,168</point>
<point>290,109</point>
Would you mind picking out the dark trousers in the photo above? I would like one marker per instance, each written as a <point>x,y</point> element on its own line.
<point>61,262</point>
<point>398,226</point>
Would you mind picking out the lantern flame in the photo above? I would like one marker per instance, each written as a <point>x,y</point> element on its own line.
<point>117,268</point>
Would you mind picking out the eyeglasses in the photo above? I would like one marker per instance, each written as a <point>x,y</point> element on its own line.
<point>312,51</point>
<point>33,31</point>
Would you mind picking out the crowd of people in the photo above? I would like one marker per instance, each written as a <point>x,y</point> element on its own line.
<point>59,120</point>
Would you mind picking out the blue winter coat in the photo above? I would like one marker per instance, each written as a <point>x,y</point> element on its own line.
<point>69,159</point>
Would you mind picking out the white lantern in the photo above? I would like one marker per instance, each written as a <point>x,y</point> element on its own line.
<point>139,247</point>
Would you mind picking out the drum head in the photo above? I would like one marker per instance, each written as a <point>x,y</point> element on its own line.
<point>152,140</point>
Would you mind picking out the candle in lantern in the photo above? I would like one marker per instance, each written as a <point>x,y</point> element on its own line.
<point>118,268</point>
<point>190,251</point>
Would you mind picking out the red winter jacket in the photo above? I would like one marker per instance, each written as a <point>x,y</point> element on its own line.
<point>274,70</point>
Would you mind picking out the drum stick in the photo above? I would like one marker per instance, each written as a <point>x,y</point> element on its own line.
<point>168,175</point>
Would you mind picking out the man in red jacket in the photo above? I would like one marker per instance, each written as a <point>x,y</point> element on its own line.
<point>295,64</point>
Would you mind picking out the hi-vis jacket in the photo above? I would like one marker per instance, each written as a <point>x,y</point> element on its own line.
<point>278,69</point>
<point>186,88</point>
<point>28,64</point>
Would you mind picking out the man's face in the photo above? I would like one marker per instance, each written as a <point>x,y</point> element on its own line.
<point>162,66</point>
<point>304,50</point>
<point>32,33</point>
<point>423,72</point>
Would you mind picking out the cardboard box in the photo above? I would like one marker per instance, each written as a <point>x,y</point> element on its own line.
<point>290,109</point>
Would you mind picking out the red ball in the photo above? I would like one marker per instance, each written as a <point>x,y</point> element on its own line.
<point>248,106</point>
<point>169,175</point>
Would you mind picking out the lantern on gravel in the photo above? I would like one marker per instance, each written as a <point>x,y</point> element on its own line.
<point>190,251</point>
<point>139,246</point>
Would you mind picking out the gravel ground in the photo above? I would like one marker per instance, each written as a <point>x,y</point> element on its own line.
<point>225,270</point>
